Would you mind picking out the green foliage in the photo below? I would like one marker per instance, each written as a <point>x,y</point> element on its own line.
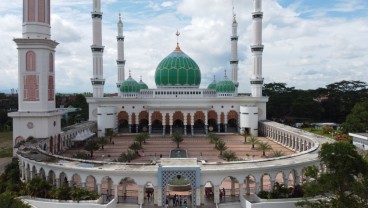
<point>9,200</point>
<point>141,138</point>
<point>91,146</point>
<point>38,187</point>
<point>245,135</point>
<point>220,146</point>
<point>357,120</point>
<point>345,184</point>
<point>78,194</point>
<point>177,137</point>
<point>127,156</point>
<point>327,129</point>
<point>61,193</point>
<point>213,138</point>
<point>264,147</point>
<point>277,153</point>
<point>10,179</point>
<point>229,155</point>
<point>280,191</point>
<point>81,155</point>
<point>253,140</point>
<point>103,141</point>
<point>135,146</point>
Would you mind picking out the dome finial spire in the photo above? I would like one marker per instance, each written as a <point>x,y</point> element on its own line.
<point>225,75</point>
<point>130,74</point>
<point>214,77</point>
<point>177,39</point>
<point>141,78</point>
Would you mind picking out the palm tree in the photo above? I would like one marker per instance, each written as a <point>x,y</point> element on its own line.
<point>229,155</point>
<point>141,138</point>
<point>177,137</point>
<point>245,135</point>
<point>253,140</point>
<point>264,146</point>
<point>213,138</point>
<point>109,133</point>
<point>220,146</point>
<point>91,146</point>
<point>102,141</point>
<point>127,156</point>
<point>135,146</point>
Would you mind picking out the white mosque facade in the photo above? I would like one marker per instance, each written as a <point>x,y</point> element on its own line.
<point>178,104</point>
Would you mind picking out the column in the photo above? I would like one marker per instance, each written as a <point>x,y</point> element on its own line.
<point>286,180</point>
<point>216,193</point>
<point>116,189</point>
<point>202,196</point>
<point>205,122</point>
<point>198,197</point>
<point>130,123</point>
<point>241,191</point>
<point>99,189</point>
<point>257,187</point>
<point>171,122</point>
<point>192,123</point>
<point>140,195</point>
<point>158,196</point>
<point>149,122</point>
<point>272,184</point>
<point>57,182</point>
<point>248,185</point>
<point>163,124</point>
<point>225,122</point>
<point>261,184</point>
<point>232,191</point>
<point>297,180</point>
<point>185,123</point>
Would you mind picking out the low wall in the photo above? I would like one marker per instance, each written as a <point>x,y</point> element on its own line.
<point>253,201</point>
<point>47,203</point>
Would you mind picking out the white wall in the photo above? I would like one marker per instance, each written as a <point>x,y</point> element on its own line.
<point>47,203</point>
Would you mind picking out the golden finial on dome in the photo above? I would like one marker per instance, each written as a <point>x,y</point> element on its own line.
<point>177,40</point>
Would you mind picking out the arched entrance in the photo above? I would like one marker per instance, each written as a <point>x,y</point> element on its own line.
<point>198,127</point>
<point>232,123</point>
<point>143,121</point>
<point>107,189</point>
<point>128,191</point>
<point>209,195</point>
<point>178,126</point>
<point>157,127</point>
<point>189,177</point>
<point>123,119</point>
<point>178,192</point>
<point>212,121</point>
<point>229,190</point>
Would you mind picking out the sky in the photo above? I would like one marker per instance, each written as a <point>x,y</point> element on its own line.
<point>308,43</point>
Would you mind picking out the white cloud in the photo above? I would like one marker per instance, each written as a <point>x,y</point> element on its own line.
<point>303,52</point>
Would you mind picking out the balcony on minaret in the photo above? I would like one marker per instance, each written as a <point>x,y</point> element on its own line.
<point>257,15</point>
<point>257,48</point>
<point>96,48</point>
<point>96,81</point>
<point>96,15</point>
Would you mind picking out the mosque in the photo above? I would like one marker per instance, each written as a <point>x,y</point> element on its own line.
<point>178,104</point>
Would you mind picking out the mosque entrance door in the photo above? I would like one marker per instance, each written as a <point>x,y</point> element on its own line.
<point>178,126</point>
<point>157,127</point>
<point>199,127</point>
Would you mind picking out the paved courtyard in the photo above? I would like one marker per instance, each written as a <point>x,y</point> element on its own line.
<point>196,147</point>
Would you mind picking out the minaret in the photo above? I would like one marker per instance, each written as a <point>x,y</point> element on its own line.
<point>234,52</point>
<point>97,80</point>
<point>37,115</point>
<point>120,61</point>
<point>257,50</point>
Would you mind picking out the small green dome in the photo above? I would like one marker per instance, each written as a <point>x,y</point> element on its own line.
<point>225,86</point>
<point>178,70</point>
<point>142,85</point>
<point>212,85</point>
<point>130,86</point>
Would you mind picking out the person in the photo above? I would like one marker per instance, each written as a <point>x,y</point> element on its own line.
<point>223,190</point>
<point>142,153</point>
<point>167,203</point>
<point>160,155</point>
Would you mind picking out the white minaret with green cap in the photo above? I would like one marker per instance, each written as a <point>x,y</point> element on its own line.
<point>97,80</point>
<point>234,51</point>
<point>256,80</point>
<point>120,59</point>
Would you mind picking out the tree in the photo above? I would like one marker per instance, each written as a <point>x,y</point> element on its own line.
<point>220,146</point>
<point>177,137</point>
<point>91,146</point>
<point>264,147</point>
<point>277,153</point>
<point>229,155</point>
<point>245,135</point>
<point>135,146</point>
<point>357,120</point>
<point>102,141</point>
<point>127,156</point>
<point>38,187</point>
<point>344,184</point>
<point>253,140</point>
<point>109,133</point>
<point>9,200</point>
<point>141,138</point>
<point>213,138</point>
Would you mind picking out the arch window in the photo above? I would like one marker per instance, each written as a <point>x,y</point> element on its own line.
<point>30,61</point>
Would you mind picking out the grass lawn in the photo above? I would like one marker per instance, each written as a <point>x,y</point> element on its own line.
<point>6,144</point>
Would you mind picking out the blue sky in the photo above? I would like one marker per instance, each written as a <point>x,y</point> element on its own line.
<point>308,43</point>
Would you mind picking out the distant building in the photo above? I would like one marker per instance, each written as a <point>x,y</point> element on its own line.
<point>360,140</point>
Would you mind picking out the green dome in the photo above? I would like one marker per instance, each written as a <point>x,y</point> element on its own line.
<point>142,85</point>
<point>130,86</point>
<point>212,85</point>
<point>225,86</point>
<point>177,70</point>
